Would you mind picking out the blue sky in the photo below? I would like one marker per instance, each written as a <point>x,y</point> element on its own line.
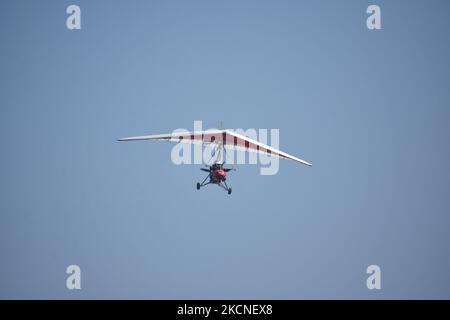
<point>369,109</point>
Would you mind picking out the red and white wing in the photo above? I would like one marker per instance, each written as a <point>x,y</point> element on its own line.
<point>227,138</point>
<point>239,142</point>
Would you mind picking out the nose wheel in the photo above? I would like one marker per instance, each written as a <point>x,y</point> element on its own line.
<point>229,190</point>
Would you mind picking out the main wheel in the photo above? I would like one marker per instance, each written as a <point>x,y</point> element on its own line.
<point>198,185</point>
<point>229,190</point>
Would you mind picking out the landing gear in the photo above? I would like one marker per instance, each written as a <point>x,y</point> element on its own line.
<point>215,178</point>
<point>204,183</point>
<point>225,186</point>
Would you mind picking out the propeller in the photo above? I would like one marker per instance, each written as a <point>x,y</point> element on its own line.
<point>229,169</point>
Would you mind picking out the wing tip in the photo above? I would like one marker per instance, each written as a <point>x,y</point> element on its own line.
<point>306,163</point>
<point>300,160</point>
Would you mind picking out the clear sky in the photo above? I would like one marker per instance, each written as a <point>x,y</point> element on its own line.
<point>369,109</point>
